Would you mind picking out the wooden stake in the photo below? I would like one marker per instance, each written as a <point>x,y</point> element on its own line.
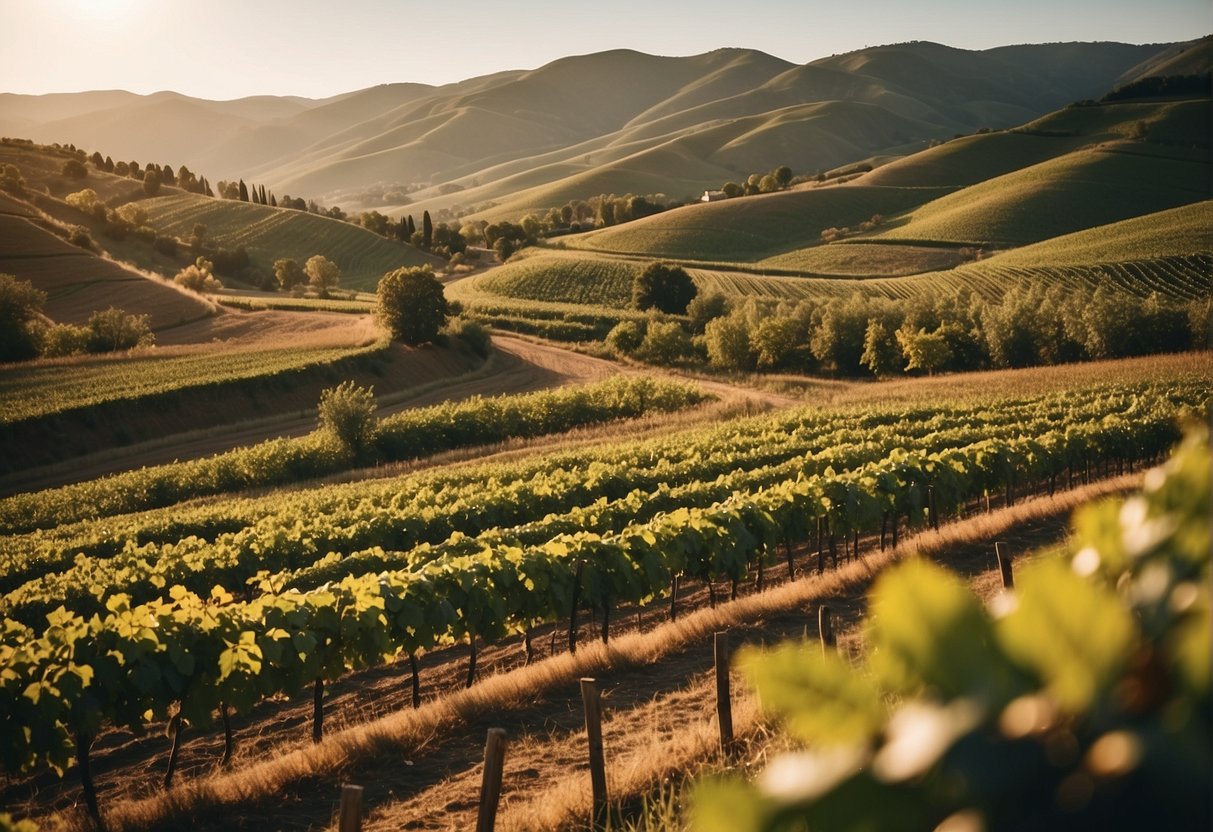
<point>318,711</point>
<point>606,620</point>
<point>674,598</point>
<point>825,627</point>
<point>490,784</point>
<point>175,728</point>
<point>573,612</point>
<point>932,509</point>
<point>593,731</point>
<point>86,779</point>
<point>1004,565</point>
<point>724,702</point>
<point>787,548</point>
<point>471,679</point>
<point>416,680</point>
<point>527,649</point>
<point>350,816</point>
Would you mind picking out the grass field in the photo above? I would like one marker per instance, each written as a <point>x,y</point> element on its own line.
<point>563,279</point>
<point>865,260</point>
<point>271,233</point>
<point>751,228</point>
<point>1080,190</point>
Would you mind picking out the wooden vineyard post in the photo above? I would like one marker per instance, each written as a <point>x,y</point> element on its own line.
<point>490,785</point>
<point>350,815</point>
<point>318,710</point>
<point>83,743</point>
<point>724,701</point>
<point>593,731</point>
<point>674,598</point>
<point>932,510</point>
<point>573,611</point>
<point>1004,565</point>
<point>176,728</point>
<point>825,627</point>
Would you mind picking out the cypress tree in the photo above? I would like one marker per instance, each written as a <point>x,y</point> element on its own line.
<point>263,202</point>
<point>412,226</point>
<point>273,200</point>
<point>243,191</point>
<point>427,230</point>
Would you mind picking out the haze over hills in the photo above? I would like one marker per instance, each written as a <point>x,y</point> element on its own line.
<point>618,121</point>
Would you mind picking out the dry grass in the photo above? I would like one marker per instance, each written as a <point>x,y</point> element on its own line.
<point>400,735</point>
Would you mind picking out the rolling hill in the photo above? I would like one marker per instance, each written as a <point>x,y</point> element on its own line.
<point>615,121</point>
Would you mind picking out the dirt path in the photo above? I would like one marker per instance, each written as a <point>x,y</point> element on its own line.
<point>430,779</point>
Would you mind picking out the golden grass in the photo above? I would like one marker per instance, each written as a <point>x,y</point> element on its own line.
<point>397,735</point>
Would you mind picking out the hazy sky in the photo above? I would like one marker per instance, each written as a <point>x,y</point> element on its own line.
<point>316,48</point>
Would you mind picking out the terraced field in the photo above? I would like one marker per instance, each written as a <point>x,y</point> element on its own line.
<point>564,279</point>
<point>270,233</point>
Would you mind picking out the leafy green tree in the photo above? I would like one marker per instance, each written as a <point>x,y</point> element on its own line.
<point>115,329</point>
<point>775,339</point>
<point>322,273</point>
<point>705,308</point>
<point>731,190</point>
<point>347,413</point>
<point>20,316</point>
<point>728,343</point>
<point>412,305</point>
<point>837,340</point>
<point>12,180</point>
<point>151,182</point>
<point>783,176</point>
<point>665,287</point>
<point>881,352</point>
<point>923,350</point>
<point>289,274</point>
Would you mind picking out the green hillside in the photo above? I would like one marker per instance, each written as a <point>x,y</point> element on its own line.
<point>270,233</point>
<point>1080,190</point>
<point>751,228</point>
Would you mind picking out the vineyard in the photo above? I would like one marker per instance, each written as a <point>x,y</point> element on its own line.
<point>199,612</point>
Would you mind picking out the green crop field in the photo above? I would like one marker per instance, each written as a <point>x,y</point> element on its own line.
<point>587,280</point>
<point>865,260</point>
<point>270,233</point>
<point>35,392</point>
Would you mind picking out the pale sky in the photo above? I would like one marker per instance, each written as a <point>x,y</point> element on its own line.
<point>232,48</point>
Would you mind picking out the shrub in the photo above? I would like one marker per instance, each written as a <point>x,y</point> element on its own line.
<point>347,413</point>
<point>115,329</point>
<point>64,339</point>
<point>79,236</point>
<point>74,169</point>
<point>85,200</point>
<point>706,308</point>
<point>625,338</point>
<point>472,333</point>
<point>12,180</point>
<point>665,342</point>
<point>20,314</point>
<point>197,277</point>
<point>665,287</point>
<point>728,343</point>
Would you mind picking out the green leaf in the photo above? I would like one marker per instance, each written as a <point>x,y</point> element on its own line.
<point>820,697</point>
<point>1074,633</point>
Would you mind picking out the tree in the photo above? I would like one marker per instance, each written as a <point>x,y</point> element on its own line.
<point>427,230</point>
<point>12,180</point>
<point>728,343</point>
<point>322,273</point>
<point>115,329</point>
<point>289,274</point>
<point>783,175</point>
<point>775,339</point>
<point>74,169</point>
<point>85,200</point>
<point>732,190</point>
<point>665,342</point>
<point>668,288</point>
<point>705,309</point>
<point>625,337</point>
<point>151,182</point>
<point>243,191</point>
<point>923,350</point>
<point>20,315</point>
<point>347,413</point>
<point>411,304</point>
<point>881,353</point>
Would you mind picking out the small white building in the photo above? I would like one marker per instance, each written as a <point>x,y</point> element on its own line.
<point>712,196</point>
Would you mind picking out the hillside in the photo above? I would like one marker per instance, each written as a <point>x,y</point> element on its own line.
<point>615,121</point>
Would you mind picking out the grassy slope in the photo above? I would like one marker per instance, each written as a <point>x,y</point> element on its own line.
<point>751,228</point>
<point>270,233</point>
<point>1080,190</point>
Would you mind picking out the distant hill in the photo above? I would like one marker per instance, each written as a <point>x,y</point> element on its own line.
<point>618,121</point>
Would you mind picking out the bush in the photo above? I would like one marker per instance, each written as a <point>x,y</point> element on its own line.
<point>12,180</point>
<point>625,338</point>
<point>347,413</point>
<point>74,169</point>
<point>197,277</point>
<point>64,339</point>
<point>665,342</point>
<point>665,287</point>
<point>85,200</point>
<point>411,304</point>
<point>728,343</point>
<point>79,236</point>
<point>706,308</point>
<point>20,314</point>
<point>472,333</point>
<point>115,329</point>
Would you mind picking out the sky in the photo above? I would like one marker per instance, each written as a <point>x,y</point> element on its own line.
<point>222,49</point>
